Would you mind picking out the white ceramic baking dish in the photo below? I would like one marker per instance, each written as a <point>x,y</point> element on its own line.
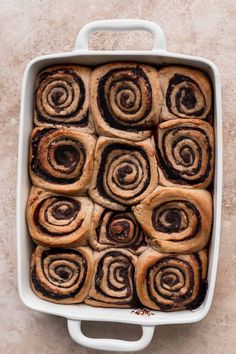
<point>76,313</point>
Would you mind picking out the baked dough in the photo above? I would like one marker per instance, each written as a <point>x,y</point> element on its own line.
<point>57,220</point>
<point>126,100</point>
<point>61,160</point>
<point>116,229</point>
<point>62,98</point>
<point>124,172</point>
<point>171,282</point>
<point>176,219</point>
<point>187,93</point>
<point>185,152</point>
<point>61,275</point>
<point>113,279</point>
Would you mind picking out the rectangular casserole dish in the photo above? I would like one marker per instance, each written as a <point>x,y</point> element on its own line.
<point>76,313</point>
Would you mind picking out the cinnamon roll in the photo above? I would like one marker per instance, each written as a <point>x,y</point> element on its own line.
<point>185,152</point>
<point>113,279</point>
<point>116,229</point>
<point>62,98</point>
<point>187,93</point>
<point>58,221</point>
<point>61,275</point>
<point>125,100</point>
<point>171,282</point>
<point>175,219</point>
<point>61,160</point>
<point>124,172</point>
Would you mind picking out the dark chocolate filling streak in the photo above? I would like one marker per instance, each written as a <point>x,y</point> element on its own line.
<point>69,155</point>
<point>121,272</point>
<point>70,213</point>
<point>53,119</point>
<point>170,172</point>
<point>167,280</point>
<point>173,219</point>
<point>189,98</point>
<point>134,75</point>
<point>105,159</point>
<point>118,230</point>
<point>60,251</point>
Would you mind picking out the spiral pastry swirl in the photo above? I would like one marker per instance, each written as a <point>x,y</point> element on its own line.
<point>124,172</point>
<point>125,100</point>
<point>57,220</point>
<point>175,219</point>
<point>61,275</point>
<point>62,98</point>
<point>170,282</point>
<point>185,151</point>
<point>115,229</point>
<point>187,93</point>
<point>61,160</point>
<point>113,279</point>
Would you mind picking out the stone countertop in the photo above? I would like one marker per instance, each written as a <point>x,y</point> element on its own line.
<point>32,28</point>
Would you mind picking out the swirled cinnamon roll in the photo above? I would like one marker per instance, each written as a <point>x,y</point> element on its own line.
<point>62,98</point>
<point>58,221</point>
<point>125,100</point>
<point>171,282</point>
<point>61,160</point>
<point>187,93</point>
<point>61,275</point>
<point>116,229</point>
<point>113,279</point>
<point>176,219</point>
<point>185,152</point>
<point>124,172</point>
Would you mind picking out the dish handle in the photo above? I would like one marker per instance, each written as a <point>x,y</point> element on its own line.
<point>78,336</point>
<point>121,25</point>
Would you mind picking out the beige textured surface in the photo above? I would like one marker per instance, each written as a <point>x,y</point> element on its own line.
<point>32,28</point>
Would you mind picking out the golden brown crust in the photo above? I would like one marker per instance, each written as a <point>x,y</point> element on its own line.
<point>175,219</point>
<point>171,282</point>
<point>185,153</point>
<point>61,275</point>
<point>125,100</point>
<point>62,98</point>
<point>187,93</point>
<point>61,160</point>
<point>113,280</point>
<point>116,229</point>
<point>124,172</point>
<point>58,221</point>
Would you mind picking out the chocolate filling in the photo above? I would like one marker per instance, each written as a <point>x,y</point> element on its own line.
<point>189,99</point>
<point>68,213</point>
<point>174,219</point>
<point>69,156</point>
<point>53,119</point>
<point>119,230</point>
<point>176,176</point>
<point>123,172</point>
<point>121,271</point>
<point>133,75</point>
<point>202,288</point>
<point>118,233</point>
<point>56,97</point>
<point>177,299</point>
<point>63,273</point>
<point>105,157</point>
<point>55,295</point>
